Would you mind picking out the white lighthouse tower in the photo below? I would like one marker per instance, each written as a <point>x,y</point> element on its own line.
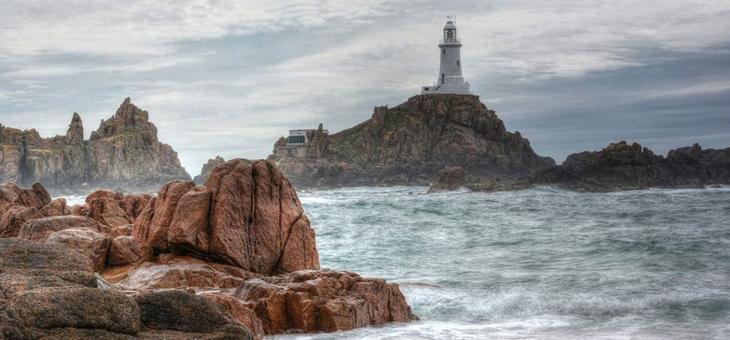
<point>450,80</point>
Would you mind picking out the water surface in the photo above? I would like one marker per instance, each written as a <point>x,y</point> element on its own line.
<point>541,263</point>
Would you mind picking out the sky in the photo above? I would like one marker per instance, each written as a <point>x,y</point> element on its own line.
<point>229,77</point>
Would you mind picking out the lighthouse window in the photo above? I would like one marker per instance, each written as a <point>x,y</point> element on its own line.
<point>458,63</point>
<point>443,51</point>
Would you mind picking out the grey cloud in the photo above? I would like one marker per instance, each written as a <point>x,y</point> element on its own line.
<point>229,77</point>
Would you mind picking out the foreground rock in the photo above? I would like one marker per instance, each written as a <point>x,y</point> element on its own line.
<point>623,166</point>
<point>311,301</point>
<point>247,215</point>
<point>123,152</point>
<point>409,144</point>
<point>234,258</point>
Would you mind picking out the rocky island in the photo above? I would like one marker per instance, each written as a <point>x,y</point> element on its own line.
<point>624,166</point>
<point>234,258</point>
<point>124,152</point>
<point>409,144</point>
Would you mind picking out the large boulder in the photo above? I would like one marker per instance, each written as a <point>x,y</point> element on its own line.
<point>39,229</point>
<point>108,211</point>
<point>14,218</point>
<point>247,214</point>
<point>88,242</point>
<point>255,213</point>
<point>81,307</point>
<point>154,221</point>
<point>11,195</point>
<point>24,254</point>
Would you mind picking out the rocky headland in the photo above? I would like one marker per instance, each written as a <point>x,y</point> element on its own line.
<point>124,152</point>
<point>619,166</point>
<point>409,144</point>
<point>233,258</point>
<point>624,166</point>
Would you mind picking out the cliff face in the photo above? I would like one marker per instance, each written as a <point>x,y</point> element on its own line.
<point>622,166</point>
<point>123,152</point>
<point>411,143</point>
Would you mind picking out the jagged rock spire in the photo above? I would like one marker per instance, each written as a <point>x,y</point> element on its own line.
<point>75,132</point>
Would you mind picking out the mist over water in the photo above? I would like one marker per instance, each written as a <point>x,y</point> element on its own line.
<point>538,263</point>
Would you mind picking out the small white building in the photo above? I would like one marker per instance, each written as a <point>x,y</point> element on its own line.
<point>450,80</point>
<point>301,136</point>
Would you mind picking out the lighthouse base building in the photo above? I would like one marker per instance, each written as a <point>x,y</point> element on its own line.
<point>450,80</point>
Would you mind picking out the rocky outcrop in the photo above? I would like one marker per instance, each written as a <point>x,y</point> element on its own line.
<point>234,258</point>
<point>623,166</point>
<point>208,169</point>
<point>312,301</point>
<point>247,214</point>
<point>123,152</point>
<point>449,179</point>
<point>410,144</point>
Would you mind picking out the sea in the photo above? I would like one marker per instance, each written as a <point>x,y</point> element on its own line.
<point>542,263</point>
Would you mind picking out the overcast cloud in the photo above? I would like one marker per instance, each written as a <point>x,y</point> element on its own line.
<point>229,77</point>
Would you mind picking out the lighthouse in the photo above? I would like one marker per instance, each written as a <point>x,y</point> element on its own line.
<point>450,80</point>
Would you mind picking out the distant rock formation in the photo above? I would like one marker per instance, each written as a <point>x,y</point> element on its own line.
<point>410,144</point>
<point>208,169</point>
<point>234,258</point>
<point>123,152</point>
<point>623,166</point>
